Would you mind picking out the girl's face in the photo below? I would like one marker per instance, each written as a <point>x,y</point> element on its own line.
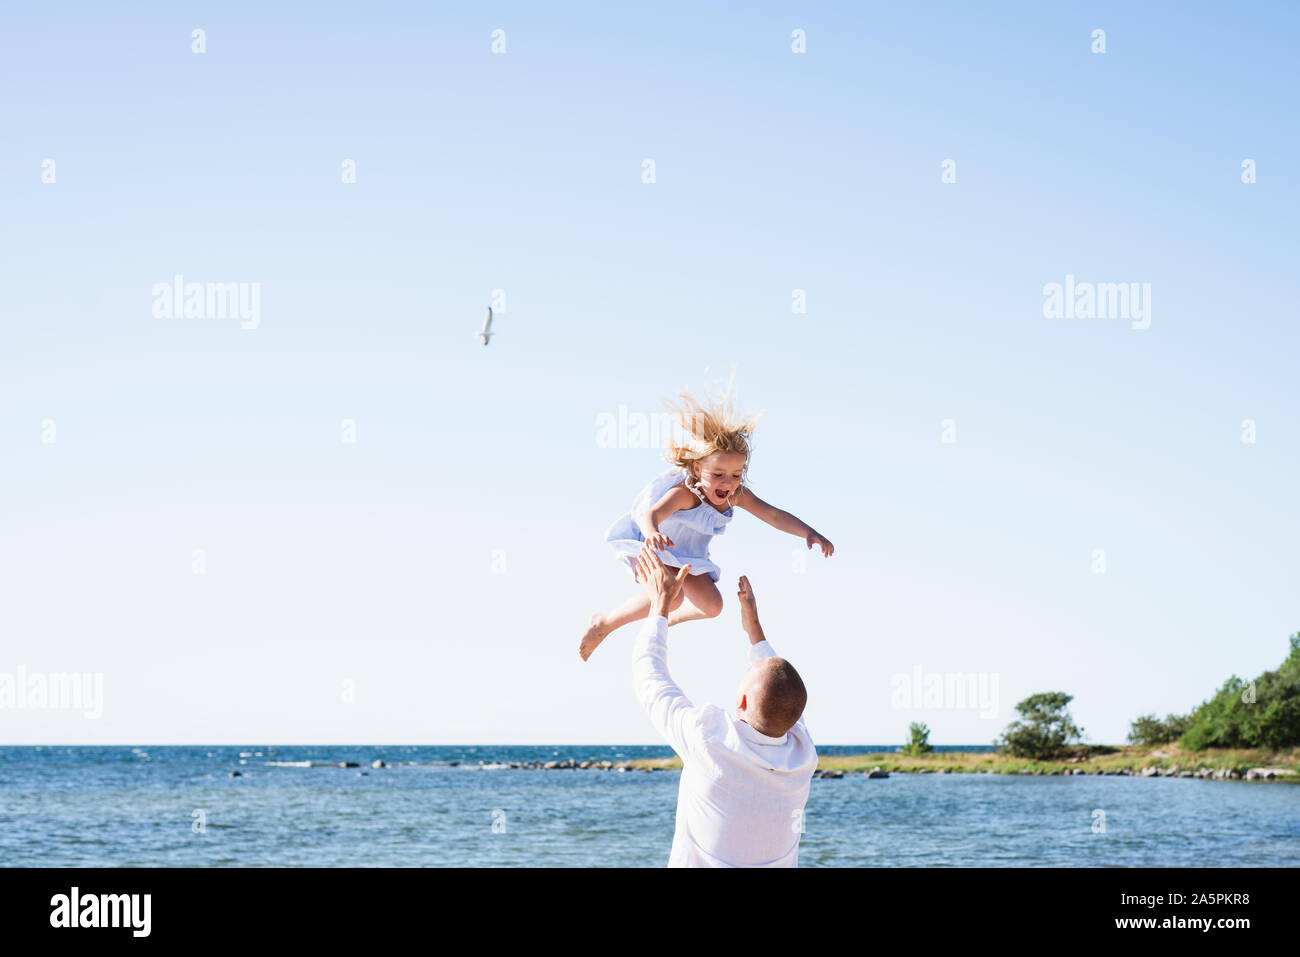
<point>720,475</point>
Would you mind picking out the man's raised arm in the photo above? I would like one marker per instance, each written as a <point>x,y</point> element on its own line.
<point>758,644</point>
<point>759,647</point>
<point>669,709</point>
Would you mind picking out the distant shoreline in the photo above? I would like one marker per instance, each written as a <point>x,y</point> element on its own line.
<point>1124,760</point>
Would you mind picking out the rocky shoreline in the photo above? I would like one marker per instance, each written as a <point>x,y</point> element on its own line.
<point>1222,774</point>
<point>1253,774</point>
<point>568,764</point>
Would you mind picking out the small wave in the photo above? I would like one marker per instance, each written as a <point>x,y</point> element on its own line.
<point>296,764</point>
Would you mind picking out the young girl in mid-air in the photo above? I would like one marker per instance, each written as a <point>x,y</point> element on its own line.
<point>684,507</point>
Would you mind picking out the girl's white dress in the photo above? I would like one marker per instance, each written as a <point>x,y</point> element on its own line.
<point>689,530</point>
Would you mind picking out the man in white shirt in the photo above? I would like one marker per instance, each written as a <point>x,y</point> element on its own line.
<point>745,774</point>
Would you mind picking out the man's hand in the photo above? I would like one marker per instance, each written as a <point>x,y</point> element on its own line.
<point>749,612</point>
<point>660,584</point>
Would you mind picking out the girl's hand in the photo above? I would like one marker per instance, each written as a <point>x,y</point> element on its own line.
<point>814,539</point>
<point>658,541</point>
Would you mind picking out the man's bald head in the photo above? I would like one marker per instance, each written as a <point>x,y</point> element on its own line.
<point>772,697</point>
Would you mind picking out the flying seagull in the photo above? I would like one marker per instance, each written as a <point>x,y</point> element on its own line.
<point>486,334</point>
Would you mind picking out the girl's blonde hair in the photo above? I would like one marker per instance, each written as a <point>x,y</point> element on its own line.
<point>711,426</point>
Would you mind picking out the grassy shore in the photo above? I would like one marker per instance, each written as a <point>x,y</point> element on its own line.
<point>1095,759</point>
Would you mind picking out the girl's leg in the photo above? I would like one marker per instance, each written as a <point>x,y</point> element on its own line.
<point>634,609</point>
<point>703,600</point>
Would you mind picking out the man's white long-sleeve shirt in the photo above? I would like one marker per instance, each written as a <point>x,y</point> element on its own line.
<point>742,793</point>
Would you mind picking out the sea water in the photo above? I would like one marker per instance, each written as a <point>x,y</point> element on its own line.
<point>439,806</point>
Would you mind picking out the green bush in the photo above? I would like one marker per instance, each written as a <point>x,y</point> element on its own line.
<point>1149,729</point>
<point>919,742</point>
<point>1044,729</point>
<point>1264,713</point>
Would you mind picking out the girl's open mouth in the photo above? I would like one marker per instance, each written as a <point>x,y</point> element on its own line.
<point>721,494</point>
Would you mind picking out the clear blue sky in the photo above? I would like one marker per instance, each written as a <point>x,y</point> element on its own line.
<point>372,562</point>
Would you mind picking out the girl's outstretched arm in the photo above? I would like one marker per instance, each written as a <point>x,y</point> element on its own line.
<point>674,500</point>
<point>780,518</point>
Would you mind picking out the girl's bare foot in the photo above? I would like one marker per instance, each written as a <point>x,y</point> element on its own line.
<point>596,632</point>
